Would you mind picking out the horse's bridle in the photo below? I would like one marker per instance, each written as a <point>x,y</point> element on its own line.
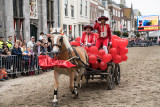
<point>60,40</point>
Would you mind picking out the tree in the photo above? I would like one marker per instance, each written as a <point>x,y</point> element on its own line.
<point>138,35</point>
<point>118,33</point>
<point>125,34</point>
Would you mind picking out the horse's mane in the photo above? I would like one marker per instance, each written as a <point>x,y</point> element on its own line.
<point>65,39</point>
<point>66,42</point>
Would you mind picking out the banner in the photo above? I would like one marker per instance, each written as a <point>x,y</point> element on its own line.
<point>148,23</point>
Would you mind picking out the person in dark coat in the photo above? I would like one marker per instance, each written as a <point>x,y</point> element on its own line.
<point>17,59</point>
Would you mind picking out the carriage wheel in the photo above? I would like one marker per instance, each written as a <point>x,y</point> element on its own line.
<point>117,74</point>
<point>110,78</point>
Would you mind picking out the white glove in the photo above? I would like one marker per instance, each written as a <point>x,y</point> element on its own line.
<point>88,44</point>
<point>81,44</point>
<point>110,43</point>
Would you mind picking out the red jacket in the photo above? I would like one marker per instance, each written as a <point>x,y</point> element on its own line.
<point>89,38</point>
<point>97,26</point>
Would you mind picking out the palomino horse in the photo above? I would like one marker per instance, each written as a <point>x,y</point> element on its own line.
<point>64,51</point>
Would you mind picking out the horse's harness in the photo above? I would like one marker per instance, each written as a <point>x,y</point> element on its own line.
<point>72,59</point>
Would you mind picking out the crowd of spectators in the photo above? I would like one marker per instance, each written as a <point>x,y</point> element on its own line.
<point>22,56</point>
<point>141,42</point>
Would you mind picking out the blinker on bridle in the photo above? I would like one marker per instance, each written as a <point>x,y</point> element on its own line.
<point>60,40</point>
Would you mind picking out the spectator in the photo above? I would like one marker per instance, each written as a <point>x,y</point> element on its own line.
<point>20,44</point>
<point>18,41</point>
<point>24,41</point>
<point>9,43</point>
<point>41,36</point>
<point>5,46</point>
<point>37,49</point>
<point>31,43</point>
<point>45,49</point>
<point>71,39</point>
<point>49,49</point>
<point>17,60</point>
<point>23,48</point>
<point>26,58</point>
<point>4,52</point>
<point>1,41</point>
<point>9,61</point>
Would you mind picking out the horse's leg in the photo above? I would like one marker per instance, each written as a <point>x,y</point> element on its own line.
<point>56,76</point>
<point>72,87</point>
<point>79,77</point>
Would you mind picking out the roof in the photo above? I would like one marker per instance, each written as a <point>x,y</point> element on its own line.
<point>137,12</point>
<point>113,2</point>
<point>127,12</point>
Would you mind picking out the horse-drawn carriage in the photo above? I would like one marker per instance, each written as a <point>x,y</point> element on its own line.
<point>73,61</point>
<point>111,74</point>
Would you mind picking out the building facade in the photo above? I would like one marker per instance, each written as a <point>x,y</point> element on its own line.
<point>74,15</point>
<point>115,11</point>
<point>25,18</point>
<point>93,11</point>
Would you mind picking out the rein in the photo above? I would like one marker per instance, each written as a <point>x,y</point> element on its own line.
<point>71,57</point>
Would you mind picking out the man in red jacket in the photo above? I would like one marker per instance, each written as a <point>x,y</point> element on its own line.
<point>104,33</point>
<point>87,36</point>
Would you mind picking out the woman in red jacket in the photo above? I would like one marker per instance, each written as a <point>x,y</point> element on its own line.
<point>104,33</point>
<point>87,36</point>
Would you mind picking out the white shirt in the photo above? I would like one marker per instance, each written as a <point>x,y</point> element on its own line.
<point>41,37</point>
<point>30,44</point>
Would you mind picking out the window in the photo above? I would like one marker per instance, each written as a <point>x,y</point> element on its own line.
<point>74,31</point>
<point>116,12</point>
<point>20,8</point>
<point>66,7</point>
<point>70,31</point>
<point>15,8</point>
<point>18,19</point>
<point>50,16</point>
<point>47,9</point>
<point>95,12</point>
<point>99,14</point>
<point>65,29</point>
<point>79,30</point>
<point>91,13</point>
<point>86,9</point>
<point>80,7</point>
<point>72,11</point>
<point>82,28</point>
<point>119,14</point>
<point>113,11</point>
<point>52,10</point>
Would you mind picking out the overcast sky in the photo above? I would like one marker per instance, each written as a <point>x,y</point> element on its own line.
<point>147,7</point>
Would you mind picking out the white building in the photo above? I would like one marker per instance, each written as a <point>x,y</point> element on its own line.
<point>74,15</point>
<point>106,11</point>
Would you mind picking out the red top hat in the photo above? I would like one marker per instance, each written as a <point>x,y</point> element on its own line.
<point>103,17</point>
<point>88,26</point>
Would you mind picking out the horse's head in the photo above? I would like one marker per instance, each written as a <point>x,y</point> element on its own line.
<point>59,40</point>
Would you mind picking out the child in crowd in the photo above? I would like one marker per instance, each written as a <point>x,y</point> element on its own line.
<point>26,58</point>
<point>23,48</point>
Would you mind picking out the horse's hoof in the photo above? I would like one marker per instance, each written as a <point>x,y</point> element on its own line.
<point>54,104</point>
<point>75,96</point>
